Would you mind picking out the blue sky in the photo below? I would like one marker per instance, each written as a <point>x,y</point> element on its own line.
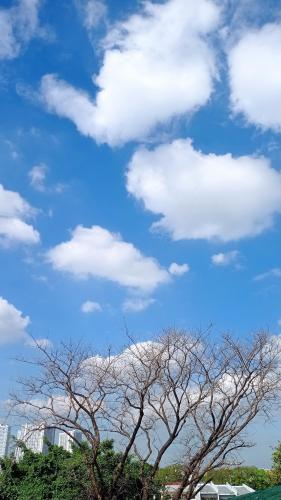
<point>139,164</point>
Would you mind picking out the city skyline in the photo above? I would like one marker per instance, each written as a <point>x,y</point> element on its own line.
<point>35,438</point>
<point>4,439</point>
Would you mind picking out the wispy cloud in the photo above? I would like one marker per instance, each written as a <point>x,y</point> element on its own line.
<point>226,258</point>
<point>93,12</point>
<point>178,269</point>
<point>90,306</point>
<point>272,273</point>
<point>137,304</point>
<point>19,24</point>
<point>38,176</point>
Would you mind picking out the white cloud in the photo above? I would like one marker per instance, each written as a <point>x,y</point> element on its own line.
<point>132,358</point>
<point>137,304</point>
<point>43,343</point>
<point>37,176</point>
<point>157,65</point>
<point>11,145</point>
<point>93,12</point>
<point>14,210</point>
<point>60,187</point>
<point>225,258</point>
<point>18,25</point>
<point>13,326</point>
<point>96,252</point>
<point>272,273</point>
<point>89,307</point>
<point>197,194</point>
<point>66,101</point>
<point>255,76</point>
<point>178,269</point>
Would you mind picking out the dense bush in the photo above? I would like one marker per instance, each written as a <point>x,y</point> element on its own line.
<point>61,475</point>
<point>257,479</point>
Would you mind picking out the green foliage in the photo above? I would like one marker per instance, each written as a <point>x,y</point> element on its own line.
<point>276,464</point>
<point>130,486</point>
<point>170,474</point>
<point>257,479</point>
<point>61,475</point>
<point>37,476</point>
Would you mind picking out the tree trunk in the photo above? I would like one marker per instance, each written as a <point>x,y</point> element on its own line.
<point>145,491</point>
<point>178,494</point>
<point>96,493</point>
<point>187,496</point>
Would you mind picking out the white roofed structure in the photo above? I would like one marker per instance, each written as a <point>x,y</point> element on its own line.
<point>213,491</point>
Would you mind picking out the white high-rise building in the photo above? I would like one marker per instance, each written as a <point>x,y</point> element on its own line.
<point>34,438</point>
<point>4,440</point>
<point>66,441</point>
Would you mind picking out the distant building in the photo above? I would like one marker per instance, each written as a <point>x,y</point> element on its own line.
<point>67,441</point>
<point>4,440</point>
<point>213,491</point>
<point>34,438</point>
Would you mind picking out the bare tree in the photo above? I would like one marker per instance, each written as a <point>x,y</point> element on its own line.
<point>76,389</point>
<point>182,391</point>
<point>244,382</point>
<point>67,395</point>
<point>162,410</point>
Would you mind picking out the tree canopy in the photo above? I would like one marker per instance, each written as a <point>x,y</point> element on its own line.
<point>61,475</point>
<point>276,464</point>
<point>170,474</point>
<point>256,478</point>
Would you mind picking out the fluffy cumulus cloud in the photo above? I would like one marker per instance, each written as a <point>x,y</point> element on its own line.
<point>96,252</point>
<point>18,25</point>
<point>90,306</point>
<point>178,269</point>
<point>157,65</point>
<point>255,76</point>
<point>137,304</point>
<point>129,359</point>
<point>13,326</point>
<point>225,258</point>
<point>14,211</point>
<point>197,193</point>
